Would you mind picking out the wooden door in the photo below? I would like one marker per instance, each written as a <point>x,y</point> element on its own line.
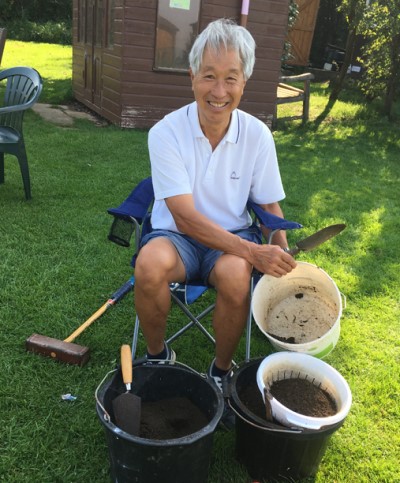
<point>98,45</point>
<point>301,34</point>
<point>93,22</point>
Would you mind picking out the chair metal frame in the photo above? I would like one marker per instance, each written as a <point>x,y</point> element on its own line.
<point>23,88</point>
<point>132,217</point>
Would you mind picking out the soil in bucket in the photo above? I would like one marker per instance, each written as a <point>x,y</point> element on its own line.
<point>303,397</point>
<point>170,418</point>
<point>162,457</point>
<point>299,395</point>
<point>271,451</point>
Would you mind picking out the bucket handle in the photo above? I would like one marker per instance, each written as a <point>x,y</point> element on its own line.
<point>106,415</point>
<point>264,428</point>
<point>344,300</point>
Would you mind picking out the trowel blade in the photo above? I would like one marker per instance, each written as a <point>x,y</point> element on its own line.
<point>317,238</point>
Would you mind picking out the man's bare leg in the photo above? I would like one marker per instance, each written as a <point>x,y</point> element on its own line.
<point>231,277</point>
<point>157,265</point>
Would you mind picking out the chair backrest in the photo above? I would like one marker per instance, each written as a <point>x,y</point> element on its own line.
<point>22,90</point>
<point>3,35</point>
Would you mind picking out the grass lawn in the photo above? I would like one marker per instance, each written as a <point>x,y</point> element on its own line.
<point>53,62</point>
<point>57,268</point>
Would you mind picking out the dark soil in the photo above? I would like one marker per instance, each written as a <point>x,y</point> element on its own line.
<point>77,106</point>
<point>303,397</point>
<point>251,398</point>
<point>286,340</point>
<point>299,395</point>
<point>170,418</point>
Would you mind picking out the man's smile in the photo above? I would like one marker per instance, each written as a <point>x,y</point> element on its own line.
<point>217,104</point>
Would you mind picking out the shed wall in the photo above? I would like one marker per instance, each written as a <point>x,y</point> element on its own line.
<point>132,94</point>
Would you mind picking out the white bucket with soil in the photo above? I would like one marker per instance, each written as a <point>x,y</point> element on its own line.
<point>289,366</point>
<point>299,312</point>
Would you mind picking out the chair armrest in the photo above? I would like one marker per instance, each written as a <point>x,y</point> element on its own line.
<point>271,221</point>
<point>16,108</point>
<point>137,204</point>
<point>131,214</point>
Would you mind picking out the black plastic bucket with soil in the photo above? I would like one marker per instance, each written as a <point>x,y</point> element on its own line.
<point>180,412</point>
<point>271,450</point>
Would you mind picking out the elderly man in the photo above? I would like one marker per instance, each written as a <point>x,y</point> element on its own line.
<point>207,159</point>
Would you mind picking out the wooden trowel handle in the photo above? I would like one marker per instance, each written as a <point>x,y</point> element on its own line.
<point>126,365</point>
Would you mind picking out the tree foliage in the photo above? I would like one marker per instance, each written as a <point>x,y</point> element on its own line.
<point>292,17</point>
<point>353,11</point>
<point>36,10</point>
<point>378,22</point>
<point>380,27</point>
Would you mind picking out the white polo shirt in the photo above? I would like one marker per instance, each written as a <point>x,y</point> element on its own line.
<point>244,165</point>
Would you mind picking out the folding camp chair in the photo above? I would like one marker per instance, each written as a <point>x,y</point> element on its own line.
<point>132,217</point>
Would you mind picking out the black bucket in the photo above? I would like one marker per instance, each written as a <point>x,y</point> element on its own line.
<point>180,460</point>
<point>269,450</point>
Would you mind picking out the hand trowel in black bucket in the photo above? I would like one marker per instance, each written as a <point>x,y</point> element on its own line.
<point>127,406</point>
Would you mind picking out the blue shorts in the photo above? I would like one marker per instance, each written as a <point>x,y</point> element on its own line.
<point>198,259</point>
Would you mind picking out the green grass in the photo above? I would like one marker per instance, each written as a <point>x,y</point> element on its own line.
<point>53,62</point>
<point>57,268</point>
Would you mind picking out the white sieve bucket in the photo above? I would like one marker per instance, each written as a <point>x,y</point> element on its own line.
<point>299,312</point>
<point>286,365</point>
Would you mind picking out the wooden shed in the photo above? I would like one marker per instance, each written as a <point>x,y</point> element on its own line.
<point>130,57</point>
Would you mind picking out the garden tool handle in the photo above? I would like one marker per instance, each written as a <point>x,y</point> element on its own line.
<point>89,321</point>
<point>126,365</point>
<point>292,251</point>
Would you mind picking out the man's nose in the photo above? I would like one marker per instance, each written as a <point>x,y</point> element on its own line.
<point>219,88</point>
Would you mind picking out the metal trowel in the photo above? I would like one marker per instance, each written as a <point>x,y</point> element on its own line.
<point>127,406</point>
<point>317,239</point>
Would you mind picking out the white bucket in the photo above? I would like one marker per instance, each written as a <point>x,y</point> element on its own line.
<point>287,365</point>
<point>299,312</point>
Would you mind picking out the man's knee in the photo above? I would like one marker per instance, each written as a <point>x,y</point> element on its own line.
<point>149,265</point>
<point>232,275</point>
<point>157,262</point>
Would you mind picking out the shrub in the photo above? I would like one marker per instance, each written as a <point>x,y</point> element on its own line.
<point>35,10</point>
<point>49,32</point>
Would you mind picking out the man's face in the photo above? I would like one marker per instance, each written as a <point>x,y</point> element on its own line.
<point>218,87</point>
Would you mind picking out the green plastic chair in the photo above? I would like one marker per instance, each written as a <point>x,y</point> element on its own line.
<point>23,86</point>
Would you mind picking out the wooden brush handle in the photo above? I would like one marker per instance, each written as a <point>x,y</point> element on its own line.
<point>89,321</point>
<point>126,365</point>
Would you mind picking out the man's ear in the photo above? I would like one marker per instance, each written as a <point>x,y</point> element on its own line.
<point>191,76</point>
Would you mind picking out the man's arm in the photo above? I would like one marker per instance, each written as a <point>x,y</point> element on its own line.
<point>269,259</point>
<point>279,237</point>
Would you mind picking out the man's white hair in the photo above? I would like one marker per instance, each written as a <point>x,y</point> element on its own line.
<point>227,34</point>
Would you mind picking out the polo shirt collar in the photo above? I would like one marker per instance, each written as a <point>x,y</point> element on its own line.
<point>231,136</point>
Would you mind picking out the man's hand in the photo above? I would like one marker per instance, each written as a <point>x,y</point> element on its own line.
<point>272,260</point>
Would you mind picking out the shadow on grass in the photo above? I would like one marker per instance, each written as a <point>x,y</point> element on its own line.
<point>324,114</point>
<point>56,91</point>
<point>347,173</point>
